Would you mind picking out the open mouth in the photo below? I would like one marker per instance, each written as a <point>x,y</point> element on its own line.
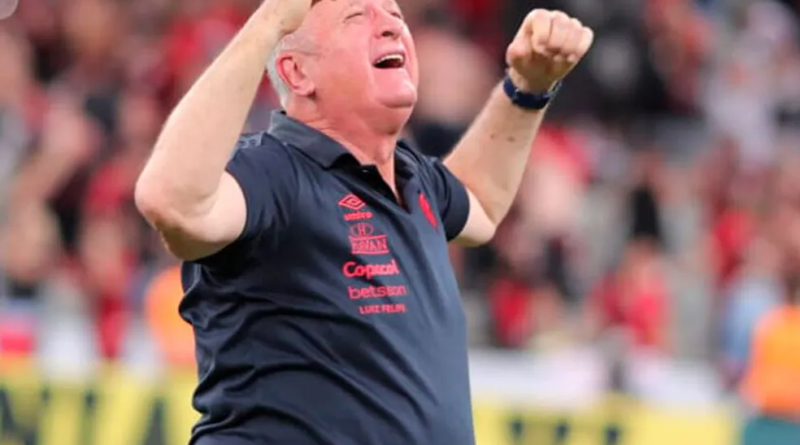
<point>391,61</point>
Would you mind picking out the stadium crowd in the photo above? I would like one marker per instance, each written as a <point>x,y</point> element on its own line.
<point>661,209</point>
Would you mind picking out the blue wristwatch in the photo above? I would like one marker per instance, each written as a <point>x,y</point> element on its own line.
<point>528,101</point>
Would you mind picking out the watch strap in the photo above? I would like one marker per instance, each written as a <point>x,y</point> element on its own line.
<point>528,101</point>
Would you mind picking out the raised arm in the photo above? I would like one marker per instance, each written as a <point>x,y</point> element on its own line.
<point>491,158</point>
<point>184,190</point>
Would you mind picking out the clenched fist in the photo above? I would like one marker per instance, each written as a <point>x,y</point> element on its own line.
<point>547,47</point>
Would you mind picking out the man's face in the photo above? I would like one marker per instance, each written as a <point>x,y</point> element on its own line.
<point>365,58</point>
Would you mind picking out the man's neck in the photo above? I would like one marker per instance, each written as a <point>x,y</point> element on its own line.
<point>368,145</point>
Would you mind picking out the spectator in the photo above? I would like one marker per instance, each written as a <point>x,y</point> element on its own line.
<point>29,251</point>
<point>21,105</point>
<point>111,234</point>
<point>755,291</point>
<point>772,371</point>
<point>634,298</point>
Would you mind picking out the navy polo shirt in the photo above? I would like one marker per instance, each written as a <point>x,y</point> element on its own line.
<point>335,318</point>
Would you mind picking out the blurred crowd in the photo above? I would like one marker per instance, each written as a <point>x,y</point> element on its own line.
<point>660,213</point>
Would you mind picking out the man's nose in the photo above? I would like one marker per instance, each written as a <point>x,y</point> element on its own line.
<point>389,26</point>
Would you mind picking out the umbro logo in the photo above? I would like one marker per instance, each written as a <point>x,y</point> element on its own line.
<point>356,209</point>
<point>352,202</point>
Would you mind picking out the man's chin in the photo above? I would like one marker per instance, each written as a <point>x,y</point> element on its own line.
<point>392,115</point>
<point>400,100</point>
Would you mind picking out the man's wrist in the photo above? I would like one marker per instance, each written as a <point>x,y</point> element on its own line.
<point>263,31</point>
<point>269,22</point>
<point>529,97</point>
<point>526,86</point>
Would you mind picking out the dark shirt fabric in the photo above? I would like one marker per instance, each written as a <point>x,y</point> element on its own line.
<point>335,318</point>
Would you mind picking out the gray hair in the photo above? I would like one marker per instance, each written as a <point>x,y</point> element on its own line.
<point>280,87</point>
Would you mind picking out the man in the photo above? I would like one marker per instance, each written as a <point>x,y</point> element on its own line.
<point>317,278</point>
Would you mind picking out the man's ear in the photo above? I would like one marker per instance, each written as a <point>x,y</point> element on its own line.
<point>291,71</point>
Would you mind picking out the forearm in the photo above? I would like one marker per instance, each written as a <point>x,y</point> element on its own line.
<point>199,137</point>
<point>491,158</point>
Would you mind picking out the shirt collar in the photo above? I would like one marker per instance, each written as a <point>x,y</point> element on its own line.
<point>320,147</point>
<point>317,145</point>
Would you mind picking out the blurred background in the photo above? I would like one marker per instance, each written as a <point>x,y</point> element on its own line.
<point>642,291</point>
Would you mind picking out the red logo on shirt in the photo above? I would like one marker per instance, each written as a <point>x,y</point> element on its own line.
<point>371,292</point>
<point>352,202</point>
<point>352,269</point>
<point>427,211</point>
<point>364,241</point>
<point>362,230</point>
<point>375,309</point>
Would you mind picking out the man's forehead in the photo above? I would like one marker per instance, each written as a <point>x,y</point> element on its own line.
<point>325,11</point>
<point>384,3</point>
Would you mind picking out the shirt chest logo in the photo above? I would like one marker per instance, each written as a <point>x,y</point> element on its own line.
<point>354,208</point>
<point>361,234</point>
<point>425,206</point>
<point>372,282</point>
<point>364,241</point>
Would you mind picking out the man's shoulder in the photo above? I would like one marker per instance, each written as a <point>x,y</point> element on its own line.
<point>261,146</point>
<point>259,153</point>
<point>258,140</point>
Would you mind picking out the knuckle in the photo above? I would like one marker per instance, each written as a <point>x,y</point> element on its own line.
<point>540,49</point>
<point>537,13</point>
<point>542,37</point>
<point>563,50</point>
<point>588,34</point>
<point>560,17</point>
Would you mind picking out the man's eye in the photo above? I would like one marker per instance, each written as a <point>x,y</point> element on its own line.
<point>355,14</point>
<point>398,15</point>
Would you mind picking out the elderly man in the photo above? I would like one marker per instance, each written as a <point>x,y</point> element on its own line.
<point>316,270</point>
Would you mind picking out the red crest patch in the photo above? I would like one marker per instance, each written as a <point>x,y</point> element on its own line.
<point>427,211</point>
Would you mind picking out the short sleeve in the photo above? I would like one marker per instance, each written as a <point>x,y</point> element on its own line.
<point>266,176</point>
<point>450,195</point>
